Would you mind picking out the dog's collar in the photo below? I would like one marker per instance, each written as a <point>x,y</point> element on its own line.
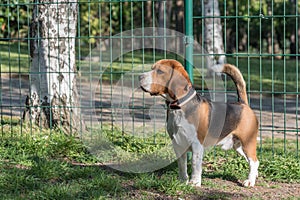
<point>178,103</point>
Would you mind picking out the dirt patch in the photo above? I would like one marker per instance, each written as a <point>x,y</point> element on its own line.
<point>263,190</point>
<point>222,189</point>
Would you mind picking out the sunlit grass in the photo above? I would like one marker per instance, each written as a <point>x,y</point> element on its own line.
<point>14,57</point>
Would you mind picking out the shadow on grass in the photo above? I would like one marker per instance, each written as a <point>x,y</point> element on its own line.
<point>217,194</point>
<point>224,176</point>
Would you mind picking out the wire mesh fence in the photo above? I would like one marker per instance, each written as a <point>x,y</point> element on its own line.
<point>262,39</point>
<point>117,40</point>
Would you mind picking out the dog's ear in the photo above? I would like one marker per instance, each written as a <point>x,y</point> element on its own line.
<point>179,83</point>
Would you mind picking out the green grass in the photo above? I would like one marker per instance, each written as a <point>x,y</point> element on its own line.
<point>277,76</point>
<point>40,165</point>
<point>14,57</point>
<point>279,167</point>
<point>44,164</point>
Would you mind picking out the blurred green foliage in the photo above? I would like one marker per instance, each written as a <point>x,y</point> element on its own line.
<point>14,19</point>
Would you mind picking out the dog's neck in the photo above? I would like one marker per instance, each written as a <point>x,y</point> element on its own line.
<point>181,101</point>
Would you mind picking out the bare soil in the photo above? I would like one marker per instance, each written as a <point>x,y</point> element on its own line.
<point>263,190</point>
<point>223,189</point>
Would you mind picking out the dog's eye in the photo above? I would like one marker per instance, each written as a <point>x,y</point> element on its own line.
<point>159,71</point>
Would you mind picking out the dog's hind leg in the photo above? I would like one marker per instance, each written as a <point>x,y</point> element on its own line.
<point>253,165</point>
<point>253,174</point>
<point>249,153</point>
<point>198,152</point>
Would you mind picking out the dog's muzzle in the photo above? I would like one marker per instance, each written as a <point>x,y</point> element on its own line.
<point>146,81</point>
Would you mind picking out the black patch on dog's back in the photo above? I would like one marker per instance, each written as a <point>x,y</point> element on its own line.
<point>224,118</point>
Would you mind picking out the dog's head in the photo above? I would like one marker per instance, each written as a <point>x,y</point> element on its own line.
<point>167,77</point>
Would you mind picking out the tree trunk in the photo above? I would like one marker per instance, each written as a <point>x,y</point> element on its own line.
<point>53,98</point>
<point>273,45</point>
<point>149,12</point>
<point>213,32</point>
<point>179,16</point>
<point>294,34</point>
<point>164,15</point>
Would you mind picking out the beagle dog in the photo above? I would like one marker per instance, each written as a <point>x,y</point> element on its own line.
<point>194,122</point>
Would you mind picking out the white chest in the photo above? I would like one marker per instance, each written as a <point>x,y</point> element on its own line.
<point>180,130</point>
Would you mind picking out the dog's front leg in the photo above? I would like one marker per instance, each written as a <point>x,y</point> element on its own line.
<point>182,167</point>
<point>182,163</point>
<point>197,150</point>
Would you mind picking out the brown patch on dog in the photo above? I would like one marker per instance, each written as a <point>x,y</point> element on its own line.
<point>238,80</point>
<point>247,131</point>
<point>203,126</point>
<point>198,113</point>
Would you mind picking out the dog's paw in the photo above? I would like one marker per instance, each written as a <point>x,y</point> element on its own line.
<point>195,183</point>
<point>248,183</point>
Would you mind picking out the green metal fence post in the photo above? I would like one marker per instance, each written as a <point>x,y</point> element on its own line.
<point>189,39</point>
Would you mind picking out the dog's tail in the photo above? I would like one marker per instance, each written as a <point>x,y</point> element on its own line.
<point>237,78</point>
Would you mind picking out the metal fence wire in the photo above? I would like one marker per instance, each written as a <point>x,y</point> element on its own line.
<point>109,43</point>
